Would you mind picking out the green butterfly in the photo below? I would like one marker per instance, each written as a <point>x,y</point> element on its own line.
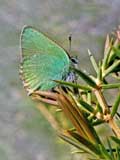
<point>42,61</point>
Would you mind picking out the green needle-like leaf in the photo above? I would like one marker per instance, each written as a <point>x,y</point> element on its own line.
<point>112,52</point>
<point>110,86</point>
<point>97,122</point>
<point>89,97</point>
<point>86,142</point>
<point>105,153</point>
<point>99,108</point>
<point>87,106</point>
<point>107,45</point>
<point>99,73</point>
<point>92,59</point>
<point>117,51</point>
<point>110,149</point>
<point>111,68</point>
<point>72,141</point>
<point>118,153</point>
<point>115,105</point>
<point>85,77</point>
<point>116,140</point>
<point>105,60</point>
<point>74,85</point>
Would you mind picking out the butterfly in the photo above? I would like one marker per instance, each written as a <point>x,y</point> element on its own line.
<point>42,61</point>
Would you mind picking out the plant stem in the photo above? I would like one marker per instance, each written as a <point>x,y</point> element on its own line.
<point>101,100</point>
<point>106,111</point>
<point>114,126</point>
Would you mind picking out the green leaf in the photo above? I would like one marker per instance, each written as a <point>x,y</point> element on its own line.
<point>99,108</point>
<point>117,51</point>
<point>115,105</point>
<point>118,153</point>
<point>114,44</point>
<point>89,97</point>
<point>74,85</point>
<point>87,106</point>
<point>116,140</point>
<point>107,45</point>
<point>86,143</point>
<point>105,153</point>
<point>73,142</point>
<point>93,61</point>
<point>110,86</point>
<point>111,68</point>
<point>110,149</point>
<point>99,73</point>
<point>85,77</point>
<point>97,122</point>
<point>107,53</point>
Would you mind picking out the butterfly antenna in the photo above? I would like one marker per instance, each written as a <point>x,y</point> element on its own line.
<point>70,40</point>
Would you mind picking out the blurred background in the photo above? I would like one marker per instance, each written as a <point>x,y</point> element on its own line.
<point>24,132</point>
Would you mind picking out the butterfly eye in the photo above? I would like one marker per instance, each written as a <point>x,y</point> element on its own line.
<point>74,60</point>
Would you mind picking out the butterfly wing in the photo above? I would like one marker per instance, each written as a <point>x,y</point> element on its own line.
<point>42,61</point>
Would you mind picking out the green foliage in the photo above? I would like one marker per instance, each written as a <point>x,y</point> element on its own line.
<point>89,106</point>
